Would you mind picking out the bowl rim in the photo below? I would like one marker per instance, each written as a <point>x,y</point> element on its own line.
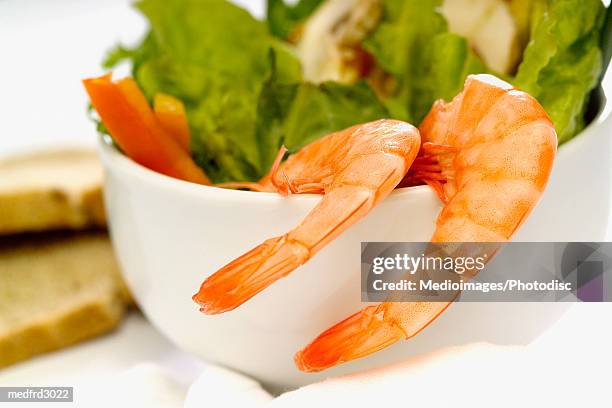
<point>111,156</point>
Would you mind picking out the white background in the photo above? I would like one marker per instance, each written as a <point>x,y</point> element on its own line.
<point>46,48</point>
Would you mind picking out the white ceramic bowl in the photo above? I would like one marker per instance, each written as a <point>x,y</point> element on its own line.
<point>170,235</point>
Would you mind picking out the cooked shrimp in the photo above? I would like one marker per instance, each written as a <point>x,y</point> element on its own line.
<point>354,168</point>
<point>488,154</point>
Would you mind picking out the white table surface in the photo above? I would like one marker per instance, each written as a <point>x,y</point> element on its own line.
<point>47,47</point>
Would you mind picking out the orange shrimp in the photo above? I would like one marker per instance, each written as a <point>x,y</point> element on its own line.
<point>354,168</point>
<point>488,154</point>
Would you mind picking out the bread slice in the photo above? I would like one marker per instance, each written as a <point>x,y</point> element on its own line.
<point>55,290</point>
<point>51,190</point>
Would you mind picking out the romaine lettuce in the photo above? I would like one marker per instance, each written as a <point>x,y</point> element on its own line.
<point>212,55</point>
<point>563,61</point>
<point>216,58</point>
<point>297,114</point>
<point>412,43</point>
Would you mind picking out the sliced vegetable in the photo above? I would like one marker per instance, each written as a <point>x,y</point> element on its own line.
<point>130,121</point>
<point>212,55</point>
<point>170,113</point>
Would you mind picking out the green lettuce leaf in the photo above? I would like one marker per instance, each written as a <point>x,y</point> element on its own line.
<point>445,65</point>
<point>283,19</point>
<point>296,114</point>
<point>412,43</point>
<point>526,14</point>
<point>212,55</point>
<point>563,61</point>
<point>245,97</point>
<point>606,40</point>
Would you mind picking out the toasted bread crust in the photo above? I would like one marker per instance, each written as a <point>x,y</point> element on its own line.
<point>52,190</point>
<point>56,290</point>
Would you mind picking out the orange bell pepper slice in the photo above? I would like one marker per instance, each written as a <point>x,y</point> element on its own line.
<point>170,112</point>
<point>126,113</point>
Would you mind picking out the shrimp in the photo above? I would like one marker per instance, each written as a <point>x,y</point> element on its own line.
<point>354,169</point>
<point>488,155</point>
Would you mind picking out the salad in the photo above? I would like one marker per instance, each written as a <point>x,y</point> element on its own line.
<point>235,89</point>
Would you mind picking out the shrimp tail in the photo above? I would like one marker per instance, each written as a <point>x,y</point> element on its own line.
<point>249,274</point>
<point>363,333</point>
<point>366,332</point>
